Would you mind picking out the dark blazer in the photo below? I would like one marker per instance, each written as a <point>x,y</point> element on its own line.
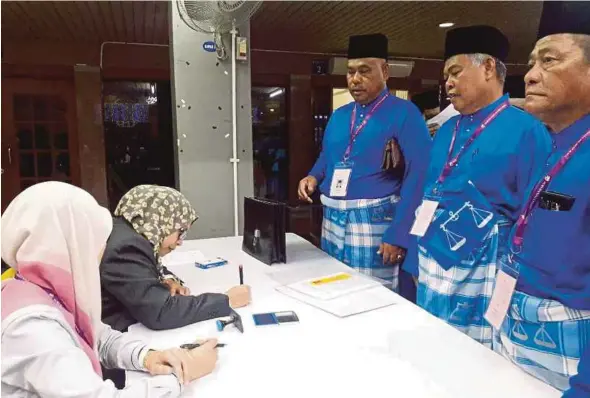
<point>132,291</point>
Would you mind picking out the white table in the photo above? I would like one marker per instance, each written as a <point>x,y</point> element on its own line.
<point>397,351</point>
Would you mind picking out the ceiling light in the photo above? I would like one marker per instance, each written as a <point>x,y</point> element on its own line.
<point>446,24</point>
<point>275,93</point>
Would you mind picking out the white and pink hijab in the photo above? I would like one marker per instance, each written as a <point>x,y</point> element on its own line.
<point>53,235</point>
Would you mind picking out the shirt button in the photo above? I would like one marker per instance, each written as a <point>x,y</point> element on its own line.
<point>362,115</point>
<point>468,130</point>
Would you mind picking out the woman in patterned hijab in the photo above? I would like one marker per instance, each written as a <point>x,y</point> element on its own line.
<point>160,214</point>
<point>150,221</point>
<point>163,216</point>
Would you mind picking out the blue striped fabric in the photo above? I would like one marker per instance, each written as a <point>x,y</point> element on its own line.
<point>461,294</point>
<point>352,231</point>
<point>544,338</point>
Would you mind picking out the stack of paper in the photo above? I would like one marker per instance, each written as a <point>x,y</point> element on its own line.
<point>331,286</point>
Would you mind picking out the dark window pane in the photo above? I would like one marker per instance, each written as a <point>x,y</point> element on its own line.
<point>44,164</point>
<point>60,137</point>
<point>40,108</point>
<point>42,140</point>
<point>24,184</point>
<point>27,165</point>
<point>62,164</point>
<point>23,108</point>
<point>57,109</point>
<point>25,136</point>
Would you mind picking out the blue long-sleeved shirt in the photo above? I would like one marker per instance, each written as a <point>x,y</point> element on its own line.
<point>395,118</point>
<point>501,162</point>
<point>555,253</point>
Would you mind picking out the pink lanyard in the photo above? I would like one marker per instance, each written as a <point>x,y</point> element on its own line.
<point>523,219</point>
<point>453,162</point>
<point>355,133</point>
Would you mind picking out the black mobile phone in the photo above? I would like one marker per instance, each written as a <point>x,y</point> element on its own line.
<point>555,201</point>
<point>275,318</point>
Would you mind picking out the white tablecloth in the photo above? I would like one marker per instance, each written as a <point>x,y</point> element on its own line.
<point>397,351</point>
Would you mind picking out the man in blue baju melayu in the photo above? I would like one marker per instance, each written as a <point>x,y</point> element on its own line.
<point>540,308</point>
<point>370,171</point>
<point>482,161</point>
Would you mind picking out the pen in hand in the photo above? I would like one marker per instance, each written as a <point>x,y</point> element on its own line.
<point>241,275</point>
<point>195,345</point>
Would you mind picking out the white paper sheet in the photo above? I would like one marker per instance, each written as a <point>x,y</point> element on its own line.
<point>178,257</point>
<point>350,304</point>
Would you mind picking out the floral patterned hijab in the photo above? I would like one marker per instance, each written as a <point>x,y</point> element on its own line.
<point>156,212</point>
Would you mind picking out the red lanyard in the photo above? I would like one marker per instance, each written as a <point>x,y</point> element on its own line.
<point>523,219</point>
<point>355,133</point>
<point>453,162</point>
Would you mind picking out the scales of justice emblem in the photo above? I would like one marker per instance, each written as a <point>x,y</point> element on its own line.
<point>480,217</point>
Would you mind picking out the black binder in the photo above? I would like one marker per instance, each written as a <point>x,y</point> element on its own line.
<point>265,230</point>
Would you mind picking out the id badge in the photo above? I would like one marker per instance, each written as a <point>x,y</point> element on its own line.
<point>503,291</point>
<point>340,179</point>
<point>424,215</point>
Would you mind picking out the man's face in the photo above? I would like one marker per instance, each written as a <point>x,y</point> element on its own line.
<point>463,82</point>
<point>366,78</point>
<point>559,78</point>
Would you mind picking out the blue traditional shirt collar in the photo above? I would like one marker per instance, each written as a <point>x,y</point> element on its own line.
<point>569,135</point>
<point>381,95</point>
<point>481,114</point>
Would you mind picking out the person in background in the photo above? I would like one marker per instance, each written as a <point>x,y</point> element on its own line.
<point>429,105</point>
<point>371,168</point>
<point>150,222</point>
<point>53,341</point>
<point>480,166</point>
<point>514,87</point>
<point>546,275</point>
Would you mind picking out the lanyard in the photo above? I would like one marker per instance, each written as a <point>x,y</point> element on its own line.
<point>523,219</point>
<point>355,133</point>
<point>58,301</point>
<point>453,162</point>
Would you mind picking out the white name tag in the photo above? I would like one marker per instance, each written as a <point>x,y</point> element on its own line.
<point>424,217</point>
<point>340,179</point>
<point>501,297</point>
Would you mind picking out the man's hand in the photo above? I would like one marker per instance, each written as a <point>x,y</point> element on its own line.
<point>391,254</point>
<point>187,365</point>
<point>239,296</point>
<point>176,288</point>
<point>433,128</point>
<point>307,187</point>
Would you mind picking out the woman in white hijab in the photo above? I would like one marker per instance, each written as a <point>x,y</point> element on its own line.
<point>53,341</point>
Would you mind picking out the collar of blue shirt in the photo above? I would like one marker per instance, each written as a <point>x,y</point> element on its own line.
<point>381,95</point>
<point>480,115</point>
<point>568,136</point>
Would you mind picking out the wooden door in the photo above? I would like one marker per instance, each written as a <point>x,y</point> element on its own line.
<point>39,140</point>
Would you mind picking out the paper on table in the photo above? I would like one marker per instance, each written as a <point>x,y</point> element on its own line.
<point>350,304</point>
<point>183,258</point>
<point>331,286</point>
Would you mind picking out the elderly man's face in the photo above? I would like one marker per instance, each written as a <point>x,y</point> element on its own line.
<point>464,80</point>
<point>559,78</point>
<point>366,78</point>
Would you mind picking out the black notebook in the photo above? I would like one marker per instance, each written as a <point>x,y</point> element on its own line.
<point>265,230</point>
